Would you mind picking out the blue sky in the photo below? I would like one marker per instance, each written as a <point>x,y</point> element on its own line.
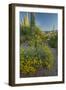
<point>45,20</point>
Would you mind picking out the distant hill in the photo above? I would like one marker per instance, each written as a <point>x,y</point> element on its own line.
<point>50,31</point>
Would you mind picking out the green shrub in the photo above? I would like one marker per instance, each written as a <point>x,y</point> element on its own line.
<point>53,40</point>
<point>48,61</point>
<point>31,59</point>
<point>28,61</point>
<point>32,36</point>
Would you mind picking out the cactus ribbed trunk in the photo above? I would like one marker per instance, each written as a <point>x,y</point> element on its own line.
<point>32,23</point>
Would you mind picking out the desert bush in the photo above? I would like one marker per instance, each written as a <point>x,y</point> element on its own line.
<point>48,60</point>
<point>28,61</point>
<point>31,59</point>
<point>53,40</point>
<point>36,35</point>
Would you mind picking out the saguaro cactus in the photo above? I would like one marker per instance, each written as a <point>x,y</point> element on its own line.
<point>32,23</point>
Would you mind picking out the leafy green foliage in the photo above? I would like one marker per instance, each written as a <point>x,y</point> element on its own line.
<point>53,40</point>
<point>31,59</point>
<point>28,61</point>
<point>48,61</point>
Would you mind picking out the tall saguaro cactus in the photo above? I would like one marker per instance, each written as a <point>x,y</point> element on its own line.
<point>32,23</point>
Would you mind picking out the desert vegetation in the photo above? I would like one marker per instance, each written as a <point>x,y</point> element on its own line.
<point>35,48</point>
